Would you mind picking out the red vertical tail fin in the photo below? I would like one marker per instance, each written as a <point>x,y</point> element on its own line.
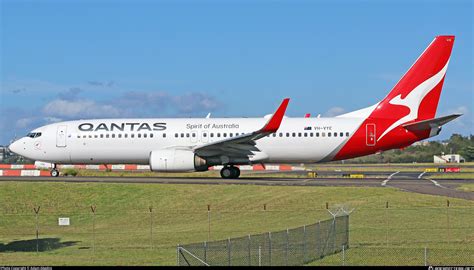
<point>415,97</point>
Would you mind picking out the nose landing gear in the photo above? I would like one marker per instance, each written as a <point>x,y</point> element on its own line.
<point>230,172</point>
<point>54,172</point>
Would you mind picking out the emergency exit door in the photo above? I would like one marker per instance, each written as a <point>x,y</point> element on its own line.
<point>61,136</point>
<point>371,137</point>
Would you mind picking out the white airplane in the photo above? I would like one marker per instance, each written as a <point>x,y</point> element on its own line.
<point>404,116</point>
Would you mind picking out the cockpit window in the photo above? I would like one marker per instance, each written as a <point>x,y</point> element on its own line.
<point>33,134</point>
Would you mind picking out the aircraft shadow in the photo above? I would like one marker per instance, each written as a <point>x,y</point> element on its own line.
<point>44,244</point>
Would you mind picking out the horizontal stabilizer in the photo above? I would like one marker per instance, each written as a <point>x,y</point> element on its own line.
<point>430,123</point>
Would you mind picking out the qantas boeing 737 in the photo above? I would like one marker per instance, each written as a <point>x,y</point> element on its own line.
<point>404,116</point>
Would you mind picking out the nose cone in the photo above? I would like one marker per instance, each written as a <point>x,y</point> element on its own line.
<point>14,147</point>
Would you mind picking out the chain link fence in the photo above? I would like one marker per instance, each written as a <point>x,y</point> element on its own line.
<point>400,256</point>
<point>297,246</point>
<point>380,234</point>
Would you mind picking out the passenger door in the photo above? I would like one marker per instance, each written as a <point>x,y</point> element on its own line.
<point>61,136</point>
<point>371,137</point>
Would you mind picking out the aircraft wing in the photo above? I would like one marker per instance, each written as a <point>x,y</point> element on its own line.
<point>430,123</point>
<point>243,145</point>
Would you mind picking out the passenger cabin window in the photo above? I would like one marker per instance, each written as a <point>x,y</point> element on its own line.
<point>347,134</point>
<point>164,135</point>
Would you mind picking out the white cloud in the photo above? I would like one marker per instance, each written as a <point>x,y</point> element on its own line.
<point>334,111</point>
<point>78,109</point>
<point>24,122</point>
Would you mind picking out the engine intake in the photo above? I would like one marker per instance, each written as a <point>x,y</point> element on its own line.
<point>176,160</point>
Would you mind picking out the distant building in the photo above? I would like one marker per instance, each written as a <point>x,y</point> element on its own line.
<point>451,158</point>
<point>421,143</point>
<point>3,150</point>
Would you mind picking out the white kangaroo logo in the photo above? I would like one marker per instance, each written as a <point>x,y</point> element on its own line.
<point>413,100</point>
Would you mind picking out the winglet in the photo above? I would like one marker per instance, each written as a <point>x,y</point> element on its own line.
<point>274,123</point>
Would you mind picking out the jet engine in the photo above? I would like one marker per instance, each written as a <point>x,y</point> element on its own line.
<point>176,160</point>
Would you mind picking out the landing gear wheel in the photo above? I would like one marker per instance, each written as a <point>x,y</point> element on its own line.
<point>230,172</point>
<point>54,173</point>
<point>236,172</point>
<point>226,172</point>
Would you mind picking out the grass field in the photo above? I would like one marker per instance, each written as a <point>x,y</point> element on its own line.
<point>467,187</point>
<point>126,233</point>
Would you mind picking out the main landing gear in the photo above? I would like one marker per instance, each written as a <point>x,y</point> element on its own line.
<point>230,172</point>
<point>54,172</point>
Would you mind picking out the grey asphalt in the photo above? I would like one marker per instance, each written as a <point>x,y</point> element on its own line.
<point>406,181</point>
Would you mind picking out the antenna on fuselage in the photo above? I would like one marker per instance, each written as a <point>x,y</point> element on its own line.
<point>208,116</point>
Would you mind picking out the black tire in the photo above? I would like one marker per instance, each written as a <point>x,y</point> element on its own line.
<point>227,172</point>
<point>236,172</point>
<point>54,173</point>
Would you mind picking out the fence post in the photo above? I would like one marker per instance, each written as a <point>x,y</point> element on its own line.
<point>37,227</point>
<point>286,248</point>
<point>228,251</point>
<point>447,221</point>
<point>205,251</point>
<point>259,255</point>
<point>343,256</point>
<point>93,207</point>
<point>304,244</point>
<point>334,235</point>
<point>270,248</point>
<point>347,231</point>
<point>426,256</point>
<point>177,255</point>
<point>208,222</point>
<point>151,227</point>
<point>249,247</point>
<point>318,239</point>
<point>386,223</point>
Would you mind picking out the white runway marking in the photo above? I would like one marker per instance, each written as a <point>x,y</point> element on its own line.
<point>421,175</point>
<point>384,182</point>
<point>436,183</point>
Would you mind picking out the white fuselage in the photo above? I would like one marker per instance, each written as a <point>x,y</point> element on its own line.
<point>130,141</point>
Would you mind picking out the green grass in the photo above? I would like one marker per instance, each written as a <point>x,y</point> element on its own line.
<point>123,219</point>
<point>466,187</point>
<point>448,176</point>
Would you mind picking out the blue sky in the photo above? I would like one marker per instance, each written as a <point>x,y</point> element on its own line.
<point>65,60</point>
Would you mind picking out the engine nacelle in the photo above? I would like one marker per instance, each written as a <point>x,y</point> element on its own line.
<point>176,160</point>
